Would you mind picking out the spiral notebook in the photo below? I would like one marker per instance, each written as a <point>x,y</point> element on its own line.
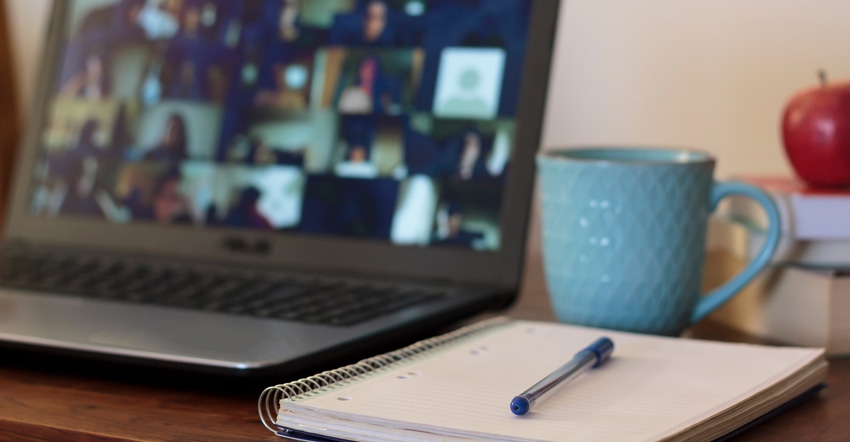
<point>458,387</point>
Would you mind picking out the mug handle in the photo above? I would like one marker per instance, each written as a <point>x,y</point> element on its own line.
<point>719,296</point>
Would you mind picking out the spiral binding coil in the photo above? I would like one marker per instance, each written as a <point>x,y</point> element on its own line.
<point>271,397</point>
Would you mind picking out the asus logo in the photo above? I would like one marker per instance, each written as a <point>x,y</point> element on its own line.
<point>235,244</point>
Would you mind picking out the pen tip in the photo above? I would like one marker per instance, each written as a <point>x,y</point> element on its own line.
<point>520,406</point>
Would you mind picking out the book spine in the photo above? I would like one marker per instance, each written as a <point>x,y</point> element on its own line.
<point>807,214</point>
<point>745,242</point>
<point>789,305</point>
<point>270,398</point>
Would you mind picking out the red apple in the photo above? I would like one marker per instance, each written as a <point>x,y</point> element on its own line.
<point>816,134</point>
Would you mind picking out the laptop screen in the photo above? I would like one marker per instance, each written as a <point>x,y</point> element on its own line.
<point>385,120</point>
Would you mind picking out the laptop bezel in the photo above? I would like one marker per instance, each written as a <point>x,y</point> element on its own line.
<point>317,254</point>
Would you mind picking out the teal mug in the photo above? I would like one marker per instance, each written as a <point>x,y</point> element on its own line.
<point>624,233</point>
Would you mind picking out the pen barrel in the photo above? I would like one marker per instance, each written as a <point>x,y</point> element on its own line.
<point>582,361</point>
<point>591,357</point>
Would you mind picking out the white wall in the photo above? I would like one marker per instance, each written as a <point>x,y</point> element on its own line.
<point>711,74</point>
<point>27,23</point>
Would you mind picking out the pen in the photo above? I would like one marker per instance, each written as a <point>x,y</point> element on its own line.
<point>591,357</point>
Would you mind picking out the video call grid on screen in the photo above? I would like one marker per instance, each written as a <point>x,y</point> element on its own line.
<point>389,120</point>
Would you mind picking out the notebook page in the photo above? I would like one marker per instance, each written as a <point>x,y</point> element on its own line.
<point>652,386</point>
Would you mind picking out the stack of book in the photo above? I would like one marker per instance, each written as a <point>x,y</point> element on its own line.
<point>804,297</point>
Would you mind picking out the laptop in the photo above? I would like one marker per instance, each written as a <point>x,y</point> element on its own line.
<point>268,186</point>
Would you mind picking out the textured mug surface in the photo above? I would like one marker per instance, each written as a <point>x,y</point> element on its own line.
<point>624,234</point>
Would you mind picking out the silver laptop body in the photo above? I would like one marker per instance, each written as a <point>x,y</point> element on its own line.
<point>342,145</point>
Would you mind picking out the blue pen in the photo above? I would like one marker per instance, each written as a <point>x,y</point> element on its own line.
<point>591,357</point>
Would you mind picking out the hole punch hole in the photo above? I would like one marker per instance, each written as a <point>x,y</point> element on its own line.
<point>475,352</point>
<point>402,376</point>
<point>343,399</point>
<point>414,373</point>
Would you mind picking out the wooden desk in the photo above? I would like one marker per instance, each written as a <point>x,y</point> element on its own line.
<point>41,402</point>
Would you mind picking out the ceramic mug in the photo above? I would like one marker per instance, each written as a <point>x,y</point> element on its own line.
<point>624,232</point>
